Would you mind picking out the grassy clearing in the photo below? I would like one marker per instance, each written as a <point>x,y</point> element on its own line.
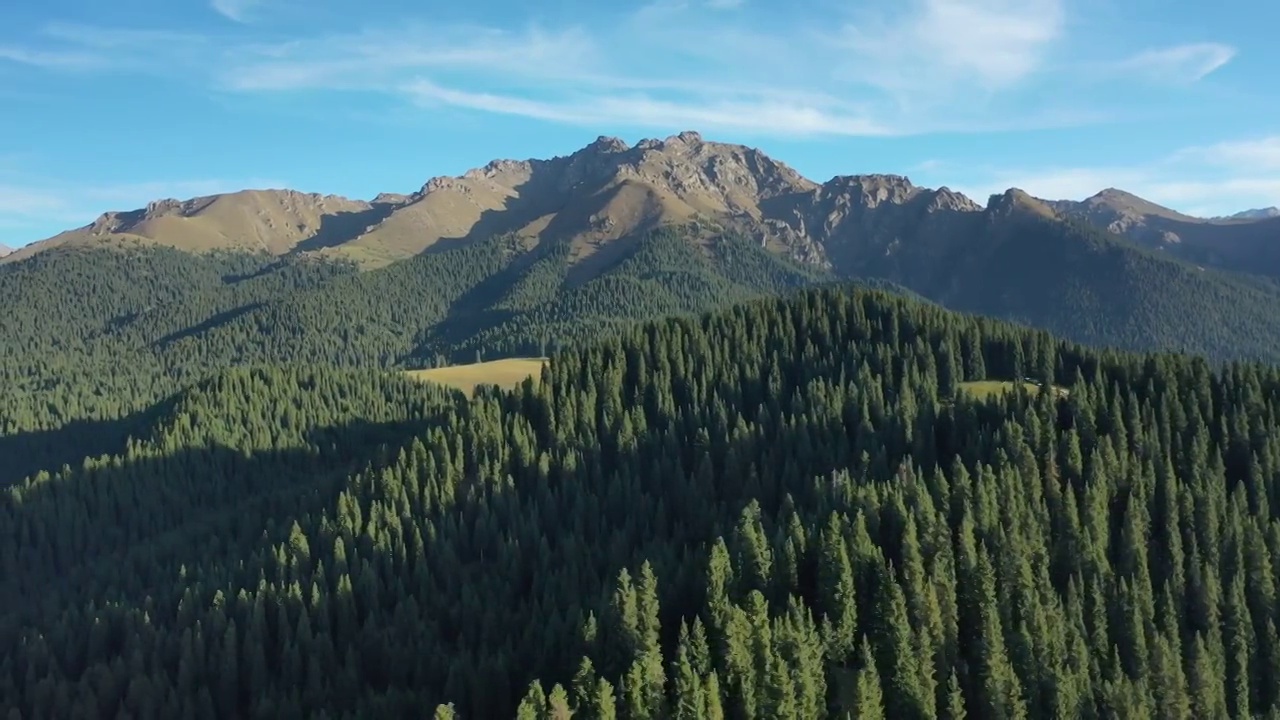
<point>983,389</point>
<point>507,373</point>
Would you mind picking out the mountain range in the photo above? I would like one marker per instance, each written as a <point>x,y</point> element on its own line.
<point>1256,214</point>
<point>671,225</point>
<point>219,498</point>
<point>610,191</point>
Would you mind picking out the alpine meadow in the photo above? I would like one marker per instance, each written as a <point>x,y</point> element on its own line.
<point>652,432</point>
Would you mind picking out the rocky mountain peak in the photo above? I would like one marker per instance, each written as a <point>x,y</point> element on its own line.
<point>946,199</point>
<point>387,198</point>
<point>1015,200</point>
<point>872,190</point>
<point>607,145</point>
<point>604,191</point>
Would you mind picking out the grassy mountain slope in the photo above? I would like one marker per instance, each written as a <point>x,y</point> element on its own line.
<point>269,221</point>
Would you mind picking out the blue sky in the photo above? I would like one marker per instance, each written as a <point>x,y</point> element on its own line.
<point>110,104</point>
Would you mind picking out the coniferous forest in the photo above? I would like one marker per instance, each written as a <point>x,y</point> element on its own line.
<point>790,507</point>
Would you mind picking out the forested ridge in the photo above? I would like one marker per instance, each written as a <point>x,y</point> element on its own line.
<point>790,508</point>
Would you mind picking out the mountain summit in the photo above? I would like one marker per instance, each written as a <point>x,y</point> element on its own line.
<point>602,197</point>
<point>602,193</point>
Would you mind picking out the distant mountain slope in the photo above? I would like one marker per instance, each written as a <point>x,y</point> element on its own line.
<point>1245,243</point>
<point>1027,265</point>
<point>100,333</point>
<point>601,193</point>
<point>605,192</point>
<point>1257,214</point>
<point>271,221</point>
<point>5,250</point>
<point>601,197</point>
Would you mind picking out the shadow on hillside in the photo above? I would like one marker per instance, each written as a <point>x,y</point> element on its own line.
<point>338,228</point>
<point>24,454</point>
<point>205,325</point>
<point>534,198</point>
<point>108,527</point>
<point>263,271</point>
<point>474,310</point>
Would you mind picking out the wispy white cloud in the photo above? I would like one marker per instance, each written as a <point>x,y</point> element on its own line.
<point>750,115</point>
<point>20,201</point>
<point>931,45</point>
<point>1217,179</point>
<point>1178,64</point>
<point>235,10</point>
<point>922,66</point>
<point>379,58</point>
<point>1260,154</point>
<point>50,59</point>
<point>81,48</point>
<point>667,65</point>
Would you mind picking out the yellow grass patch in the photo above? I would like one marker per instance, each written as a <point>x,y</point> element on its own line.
<point>983,389</point>
<point>507,373</point>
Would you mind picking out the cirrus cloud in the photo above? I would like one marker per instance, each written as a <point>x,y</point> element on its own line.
<point>905,69</point>
<point>1180,63</point>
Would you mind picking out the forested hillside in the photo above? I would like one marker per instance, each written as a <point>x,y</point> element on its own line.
<point>787,509</point>
<point>1082,283</point>
<point>90,337</point>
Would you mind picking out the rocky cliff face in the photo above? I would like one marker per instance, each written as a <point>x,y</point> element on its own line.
<point>602,196</point>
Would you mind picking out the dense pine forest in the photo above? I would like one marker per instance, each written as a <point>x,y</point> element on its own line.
<point>794,507</point>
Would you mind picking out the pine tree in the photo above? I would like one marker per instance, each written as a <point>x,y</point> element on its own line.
<point>868,696</point>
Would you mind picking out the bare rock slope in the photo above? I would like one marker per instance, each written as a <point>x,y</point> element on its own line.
<point>604,196</point>
<point>603,193</point>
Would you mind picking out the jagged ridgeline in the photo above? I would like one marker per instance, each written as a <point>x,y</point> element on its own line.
<point>812,507</point>
<point>505,258</point>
